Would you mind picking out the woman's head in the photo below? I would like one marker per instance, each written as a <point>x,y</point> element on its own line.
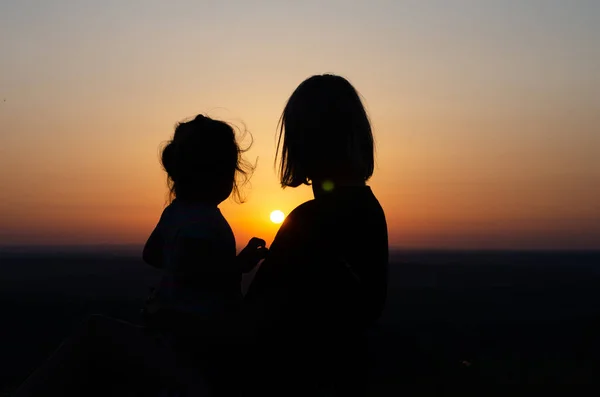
<point>325,133</point>
<point>204,162</point>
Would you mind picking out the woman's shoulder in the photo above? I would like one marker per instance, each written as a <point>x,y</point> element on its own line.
<point>297,226</point>
<point>304,209</point>
<point>301,217</point>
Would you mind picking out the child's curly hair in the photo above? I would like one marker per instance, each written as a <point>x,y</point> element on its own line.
<point>204,162</point>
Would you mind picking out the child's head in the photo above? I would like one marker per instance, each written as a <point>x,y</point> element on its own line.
<point>203,161</point>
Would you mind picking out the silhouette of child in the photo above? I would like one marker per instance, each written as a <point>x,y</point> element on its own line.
<point>195,248</point>
<point>193,243</point>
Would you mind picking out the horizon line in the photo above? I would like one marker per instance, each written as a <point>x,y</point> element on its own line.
<point>106,247</point>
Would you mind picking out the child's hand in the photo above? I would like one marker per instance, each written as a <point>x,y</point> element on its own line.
<point>255,251</point>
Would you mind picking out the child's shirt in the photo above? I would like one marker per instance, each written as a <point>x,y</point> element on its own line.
<point>213,283</point>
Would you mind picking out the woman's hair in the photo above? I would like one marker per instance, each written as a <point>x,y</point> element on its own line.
<point>324,133</point>
<point>204,161</point>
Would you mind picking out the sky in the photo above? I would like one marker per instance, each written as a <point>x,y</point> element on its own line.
<point>486,114</point>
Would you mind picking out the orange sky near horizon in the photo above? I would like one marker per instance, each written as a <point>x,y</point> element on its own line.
<point>485,115</point>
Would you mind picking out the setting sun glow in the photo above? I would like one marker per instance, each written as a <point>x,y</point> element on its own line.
<point>484,113</point>
<point>277,216</point>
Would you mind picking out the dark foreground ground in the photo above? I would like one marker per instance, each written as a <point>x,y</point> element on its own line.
<point>456,323</point>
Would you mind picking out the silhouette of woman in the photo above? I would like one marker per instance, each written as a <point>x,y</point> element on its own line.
<point>324,282</point>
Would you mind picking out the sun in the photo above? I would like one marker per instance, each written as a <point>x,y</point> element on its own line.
<point>277,216</point>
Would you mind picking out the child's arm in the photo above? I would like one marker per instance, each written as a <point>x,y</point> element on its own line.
<point>153,250</point>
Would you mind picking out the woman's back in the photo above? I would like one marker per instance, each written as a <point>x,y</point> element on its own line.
<point>324,284</point>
